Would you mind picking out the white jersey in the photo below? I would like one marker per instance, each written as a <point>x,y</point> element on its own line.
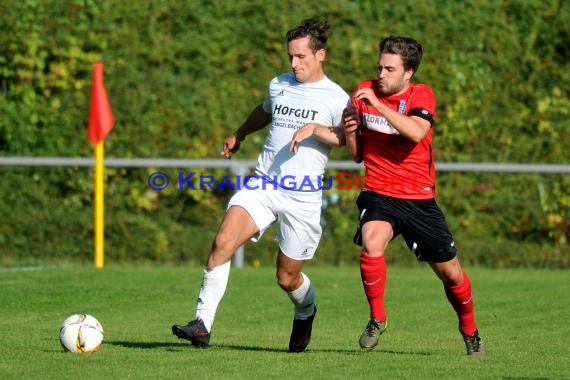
<point>292,105</point>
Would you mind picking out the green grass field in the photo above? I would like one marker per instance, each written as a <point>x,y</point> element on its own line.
<point>523,316</point>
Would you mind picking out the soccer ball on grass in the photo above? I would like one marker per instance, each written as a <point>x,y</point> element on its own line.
<point>81,333</point>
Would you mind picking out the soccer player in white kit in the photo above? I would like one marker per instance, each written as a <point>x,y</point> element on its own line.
<point>304,108</point>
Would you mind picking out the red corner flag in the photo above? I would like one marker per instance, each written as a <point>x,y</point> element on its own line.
<point>101,117</point>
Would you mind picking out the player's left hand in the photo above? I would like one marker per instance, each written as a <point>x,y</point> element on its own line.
<point>301,134</point>
<point>367,94</point>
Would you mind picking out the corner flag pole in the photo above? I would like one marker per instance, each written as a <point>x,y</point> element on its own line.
<point>99,206</point>
<point>101,121</point>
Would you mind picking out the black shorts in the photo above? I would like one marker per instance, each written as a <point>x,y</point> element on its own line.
<point>420,222</point>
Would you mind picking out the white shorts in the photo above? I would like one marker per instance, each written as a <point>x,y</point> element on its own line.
<point>298,215</point>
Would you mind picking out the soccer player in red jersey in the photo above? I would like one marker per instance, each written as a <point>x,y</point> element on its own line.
<point>390,127</point>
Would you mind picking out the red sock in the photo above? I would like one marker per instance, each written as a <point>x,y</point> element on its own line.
<point>460,297</point>
<point>373,274</point>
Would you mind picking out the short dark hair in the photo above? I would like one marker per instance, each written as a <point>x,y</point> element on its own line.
<point>407,48</point>
<point>318,31</point>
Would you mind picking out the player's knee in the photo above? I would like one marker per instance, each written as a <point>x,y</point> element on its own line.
<point>455,277</point>
<point>450,275</point>
<point>287,281</point>
<point>373,247</point>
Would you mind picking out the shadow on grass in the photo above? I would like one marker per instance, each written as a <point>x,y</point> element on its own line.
<point>184,345</point>
<point>187,345</point>
<point>310,350</point>
<point>143,345</point>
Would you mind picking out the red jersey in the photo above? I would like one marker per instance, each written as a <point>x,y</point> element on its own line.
<point>396,166</point>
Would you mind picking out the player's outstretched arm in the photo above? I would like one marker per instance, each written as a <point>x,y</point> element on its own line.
<point>412,128</point>
<point>329,135</point>
<point>257,119</point>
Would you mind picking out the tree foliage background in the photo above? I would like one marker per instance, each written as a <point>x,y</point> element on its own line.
<point>181,75</point>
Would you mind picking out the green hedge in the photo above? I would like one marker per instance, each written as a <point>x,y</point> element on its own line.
<point>182,74</point>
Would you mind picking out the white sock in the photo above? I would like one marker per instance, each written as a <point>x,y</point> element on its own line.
<point>212,290</point>
<point>303,298</point>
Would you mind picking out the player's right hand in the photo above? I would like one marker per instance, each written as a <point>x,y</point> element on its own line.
<point>231,145</point>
